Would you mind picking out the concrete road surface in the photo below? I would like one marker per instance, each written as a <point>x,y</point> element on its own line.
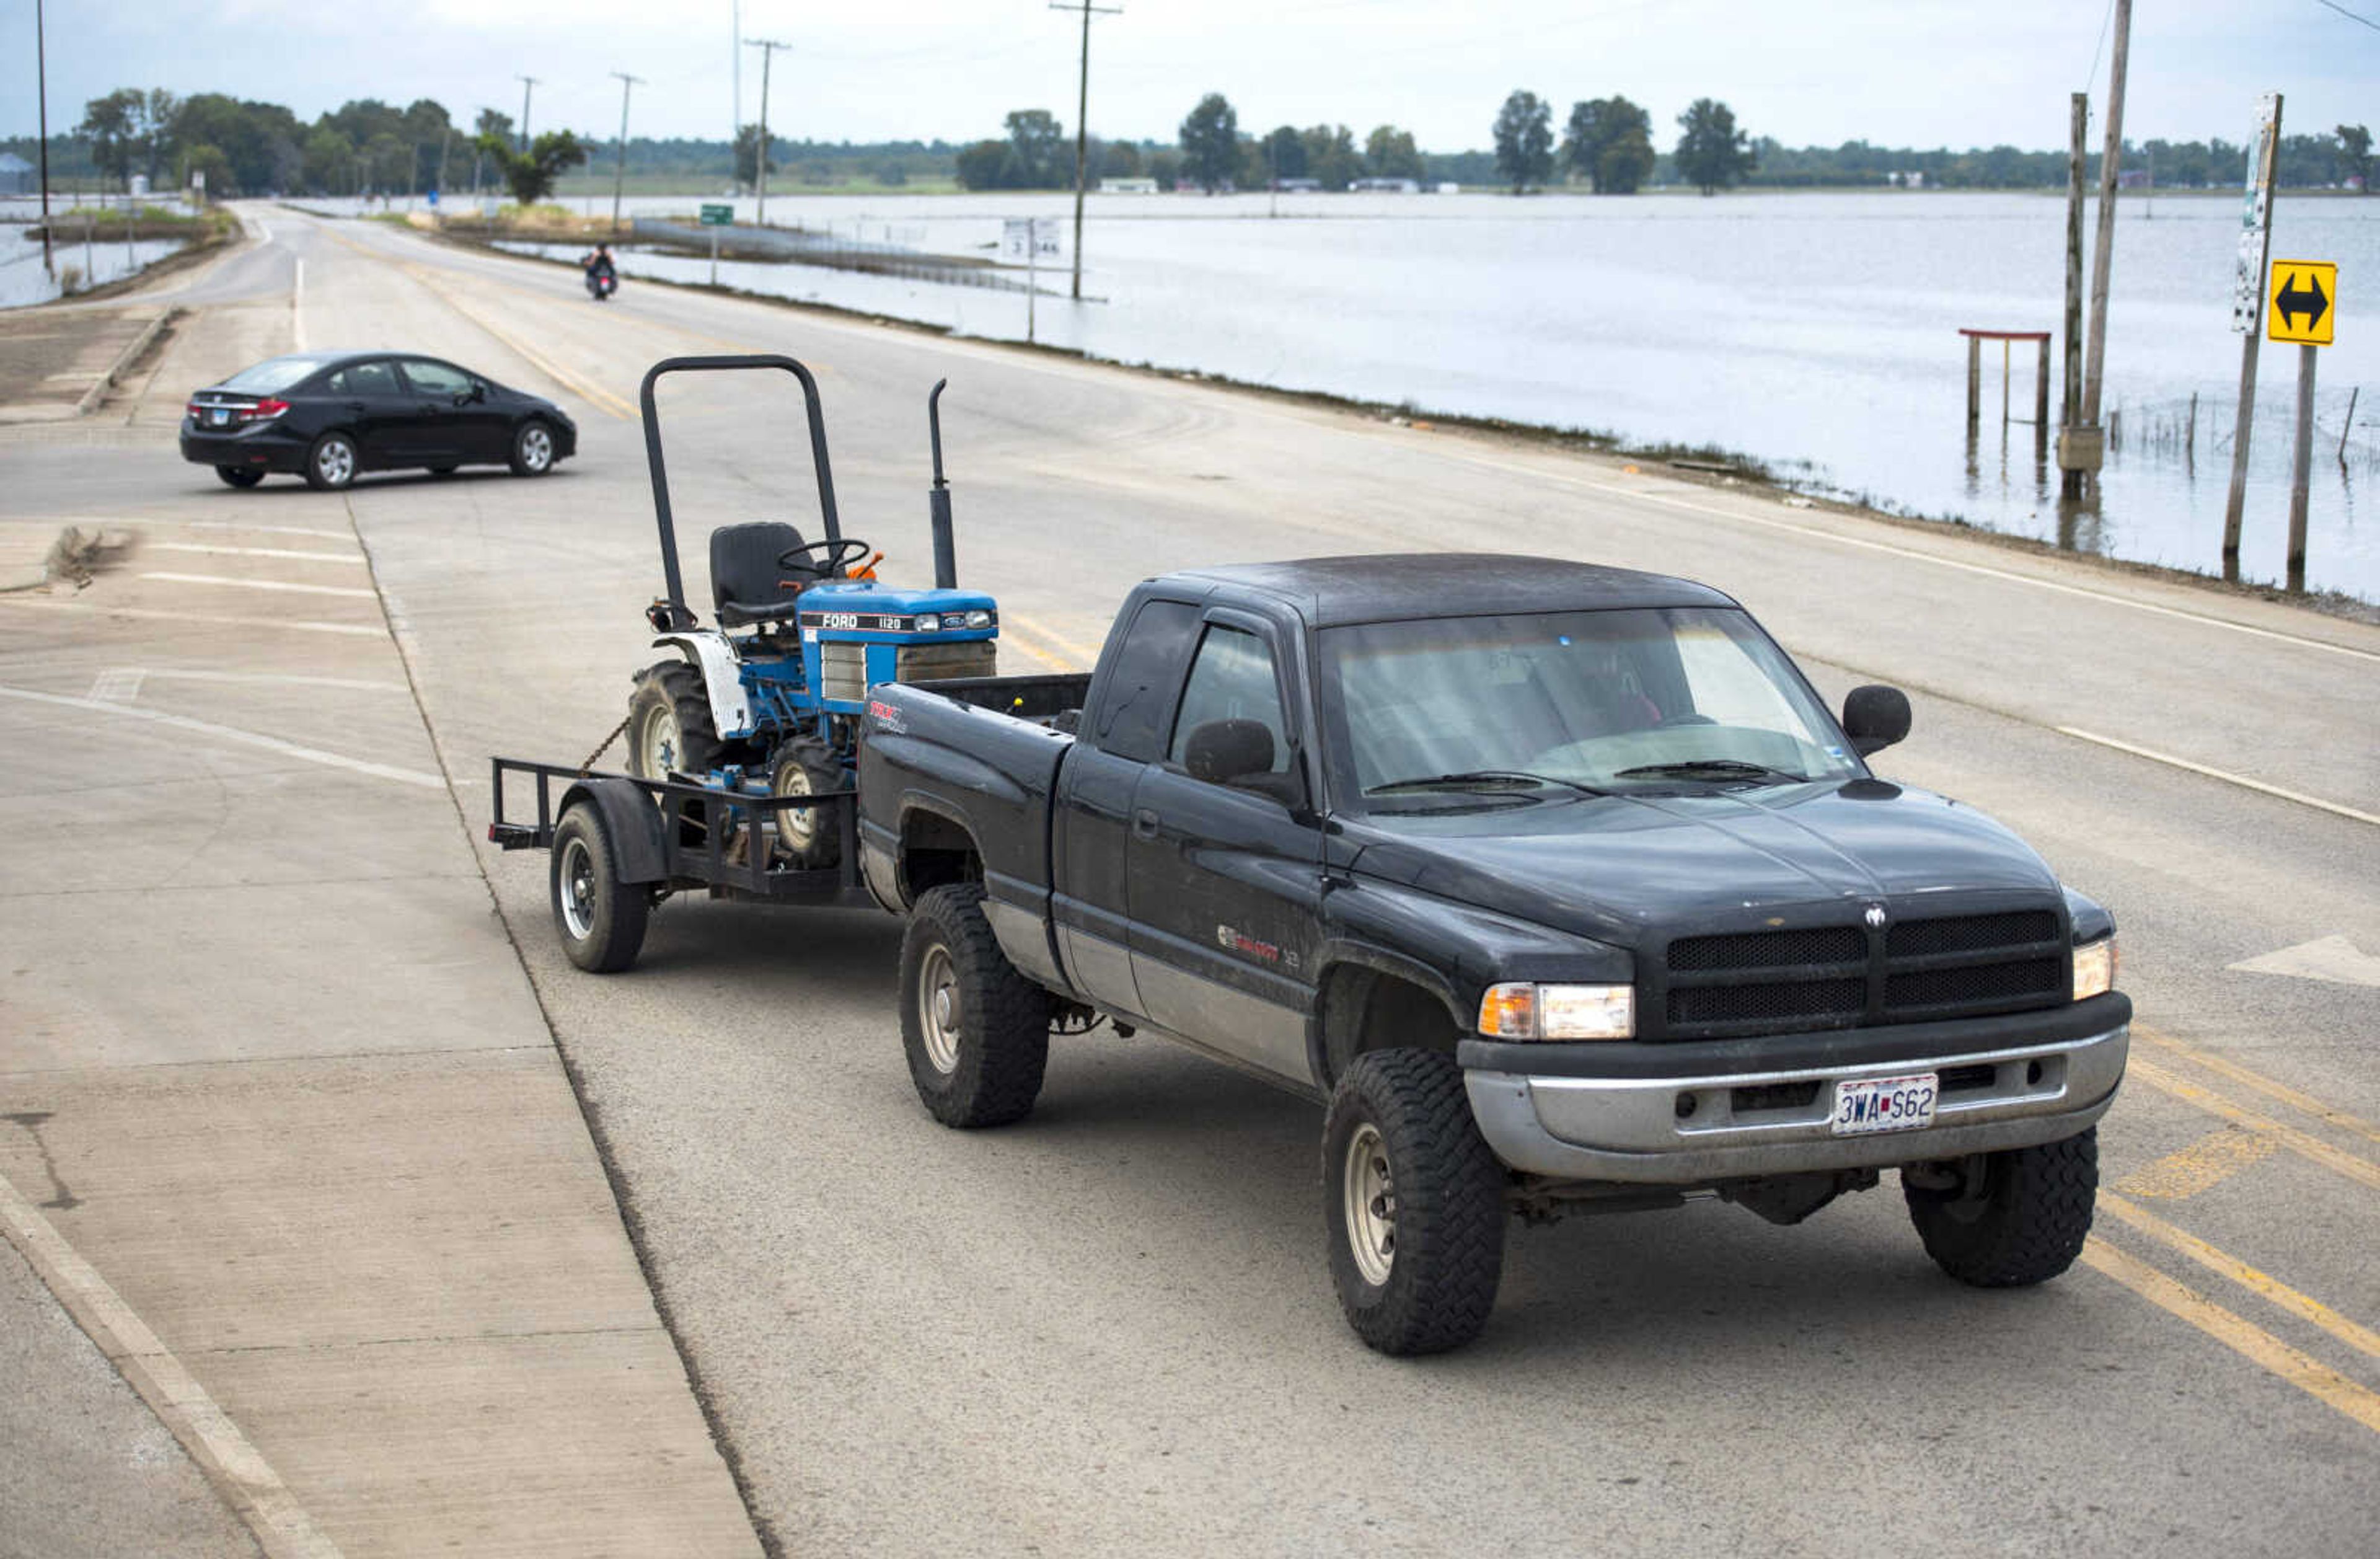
<point>1111,1328</point>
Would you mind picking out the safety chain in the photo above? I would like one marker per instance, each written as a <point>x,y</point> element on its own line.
<point>601,746</point>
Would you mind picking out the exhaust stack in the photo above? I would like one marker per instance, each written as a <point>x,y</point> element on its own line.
<point>938,501</point>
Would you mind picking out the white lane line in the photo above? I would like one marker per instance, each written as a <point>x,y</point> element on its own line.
<point>2225,775</point>
<point>1919,555</point>
<point>247,1480</point>
<point>351,590</point>
<point>205,549</point>
<point>233,734</point>
<point>47,521</point>
<point>275,679</point>
<point>360,631</point>
<point>117,684</point>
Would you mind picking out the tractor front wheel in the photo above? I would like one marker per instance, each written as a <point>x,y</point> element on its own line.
<point>808,836</point>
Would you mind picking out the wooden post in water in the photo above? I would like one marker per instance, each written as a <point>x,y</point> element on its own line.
<point>2248,312</point>
<point>2041,399</point>
<point>2111,158</point>
<point>2349,426</point>
<point>2300,463</point>
<point>1975,383</point>
<point>2069,406</point>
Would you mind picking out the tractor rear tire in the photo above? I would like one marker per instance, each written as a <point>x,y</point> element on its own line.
<point>976,1031</point>
<point>669,723</point>
<point>600,919</point>
<point>808,837</point>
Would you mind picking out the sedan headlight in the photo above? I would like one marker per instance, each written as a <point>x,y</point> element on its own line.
<point>1558,1011</point>
<point>2094,968</point>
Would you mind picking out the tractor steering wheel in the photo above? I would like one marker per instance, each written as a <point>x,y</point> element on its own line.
<point>841,551</point>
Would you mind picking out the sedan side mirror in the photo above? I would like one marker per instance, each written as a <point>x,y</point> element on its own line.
<point>1875,717</point>
<point>478,393</point>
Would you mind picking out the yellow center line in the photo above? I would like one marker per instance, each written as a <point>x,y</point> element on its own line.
<point>2337,1160</point>
<point>2249,1342</point>
<point>2201,1166</point>
<point>2362,1338</point>
<point>2303,1102</point>
<point>1050,648</point>
<point>585,388</point>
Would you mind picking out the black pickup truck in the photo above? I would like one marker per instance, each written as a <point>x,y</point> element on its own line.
<point>1558,883</point>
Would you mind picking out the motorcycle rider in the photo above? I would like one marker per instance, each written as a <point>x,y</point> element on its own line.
<point>602,276</point>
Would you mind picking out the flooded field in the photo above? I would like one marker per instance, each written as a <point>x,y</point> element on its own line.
<point>1814,332</point>
<point>23,281</point>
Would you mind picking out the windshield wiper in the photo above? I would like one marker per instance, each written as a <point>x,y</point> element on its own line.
<point>1712,769</point>
<point>1481,780</point>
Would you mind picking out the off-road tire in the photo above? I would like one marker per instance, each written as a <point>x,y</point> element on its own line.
<point>239,476</point>
<point>673,688</point>
<point>524,459</point>
<point>341,475</point>
<point>2029,1221</point>
<point>820,776</point>
<point>600,919</point>
<point>1445,1211</point>
<point>995,1038</point>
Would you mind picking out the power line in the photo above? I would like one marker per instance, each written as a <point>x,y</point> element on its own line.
<point>2350,16</point>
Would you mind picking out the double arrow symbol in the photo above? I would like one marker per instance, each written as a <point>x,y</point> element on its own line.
<point>2304,295</point>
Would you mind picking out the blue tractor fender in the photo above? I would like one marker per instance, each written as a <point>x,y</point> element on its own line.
<point>632,825</point>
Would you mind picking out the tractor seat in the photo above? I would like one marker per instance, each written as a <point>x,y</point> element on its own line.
<point>746,578</point>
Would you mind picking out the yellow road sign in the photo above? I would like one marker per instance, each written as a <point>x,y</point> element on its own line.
<point>2302,302</point>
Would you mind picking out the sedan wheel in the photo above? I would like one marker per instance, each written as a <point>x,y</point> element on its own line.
<point>332,464</point>
<point>533,450</point>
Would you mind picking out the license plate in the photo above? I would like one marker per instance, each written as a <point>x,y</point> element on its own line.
<point>1885,1103</point>
<point>218,416</point>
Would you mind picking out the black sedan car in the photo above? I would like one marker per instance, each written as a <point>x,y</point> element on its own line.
<point>326,416</point>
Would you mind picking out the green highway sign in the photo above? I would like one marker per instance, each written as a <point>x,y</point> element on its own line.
<point>718,216</point>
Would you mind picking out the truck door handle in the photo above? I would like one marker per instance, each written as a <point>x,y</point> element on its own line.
<point>1144,824</point>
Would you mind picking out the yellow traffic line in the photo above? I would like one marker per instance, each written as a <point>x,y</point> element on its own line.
<point>2362,1338</point>
<point>586,389</point>
<point>2201,1166</point>
<point>2249,1342</point>
<point>1051,646</point>
<point>2305,1144</point>
<point>2304,1104</point>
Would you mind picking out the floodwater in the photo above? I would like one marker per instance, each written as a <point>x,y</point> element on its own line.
<point>23,281</point>
<point>1817,333</point>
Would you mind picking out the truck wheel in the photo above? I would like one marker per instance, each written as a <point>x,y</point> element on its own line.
<point>1414,1203</point>
<point>669,723</point>
<point>2020,1217</point>
<point>600,919</point>
<point>806,836</point>
<point>976,1031</point>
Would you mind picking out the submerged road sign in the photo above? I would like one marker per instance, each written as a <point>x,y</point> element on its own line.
<point>2302,301</point>
<point>718,216</point>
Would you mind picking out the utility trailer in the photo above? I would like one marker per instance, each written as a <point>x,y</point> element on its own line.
<point>742,746</point>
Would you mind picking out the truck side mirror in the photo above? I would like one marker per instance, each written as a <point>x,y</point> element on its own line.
<point>1222,750</point>
<point>1875,717</point>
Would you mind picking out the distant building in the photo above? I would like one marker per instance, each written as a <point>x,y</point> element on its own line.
<point>2134,178</point>
<point>1297,186</point>
<point>1128,186</point>
<point>1387,186</point>
<point>17,175</point>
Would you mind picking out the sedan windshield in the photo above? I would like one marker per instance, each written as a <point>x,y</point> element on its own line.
<point>1679,699</point>
<point>276,373</point>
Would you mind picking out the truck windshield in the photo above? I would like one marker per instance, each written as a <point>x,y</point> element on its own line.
<point>1668,699</point>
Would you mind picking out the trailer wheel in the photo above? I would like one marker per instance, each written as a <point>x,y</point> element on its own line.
<point>2018,1217</point>
<point>806,836</point>
<point>1414,1202</point>
<point>669,723</point>
<point>976,1031</point>
<point>600,919</point>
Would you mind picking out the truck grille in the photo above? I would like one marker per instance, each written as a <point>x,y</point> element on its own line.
<point>1838,977</point>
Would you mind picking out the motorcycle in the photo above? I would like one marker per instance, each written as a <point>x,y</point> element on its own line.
<point>602,285</point>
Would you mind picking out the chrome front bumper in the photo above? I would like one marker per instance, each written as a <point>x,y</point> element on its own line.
<point>1777,1123</point>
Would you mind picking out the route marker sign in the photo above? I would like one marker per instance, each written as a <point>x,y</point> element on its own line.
<point>2302,301</point>
<point>717,215</point>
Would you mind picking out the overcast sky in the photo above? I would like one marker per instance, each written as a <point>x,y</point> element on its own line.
<point>1920,73</point>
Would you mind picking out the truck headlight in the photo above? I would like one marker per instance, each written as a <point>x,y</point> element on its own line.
<point>1558,1011</point>
<point>2094,968</point>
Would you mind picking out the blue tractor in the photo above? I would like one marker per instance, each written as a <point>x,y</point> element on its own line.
<point>766,701</point>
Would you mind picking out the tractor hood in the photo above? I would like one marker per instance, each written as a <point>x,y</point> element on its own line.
<point>1622,869</point>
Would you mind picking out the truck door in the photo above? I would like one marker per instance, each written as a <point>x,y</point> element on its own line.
<point>1226,883</point>
<point>1124,730</point>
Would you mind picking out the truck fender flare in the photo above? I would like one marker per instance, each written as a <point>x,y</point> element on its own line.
<point>1336,954</point>
<point>631,822</point>
<point>713,653</point>
<point>914,802</point>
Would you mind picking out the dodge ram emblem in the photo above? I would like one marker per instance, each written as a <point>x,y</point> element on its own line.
<point>1876,917</point>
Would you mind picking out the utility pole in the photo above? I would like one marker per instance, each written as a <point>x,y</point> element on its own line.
<point>2070,404</point>
<point>736,77</point>
<point>527,83</point>
<point>2103,258</point>
<point>767,47</point>
<point>41,86</point>
<point>620,165</point>
<point>1082,121</point>
<point>2248,313</point>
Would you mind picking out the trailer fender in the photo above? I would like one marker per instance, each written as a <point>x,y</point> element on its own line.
<point>723,678</point>
<point>631,822</point>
